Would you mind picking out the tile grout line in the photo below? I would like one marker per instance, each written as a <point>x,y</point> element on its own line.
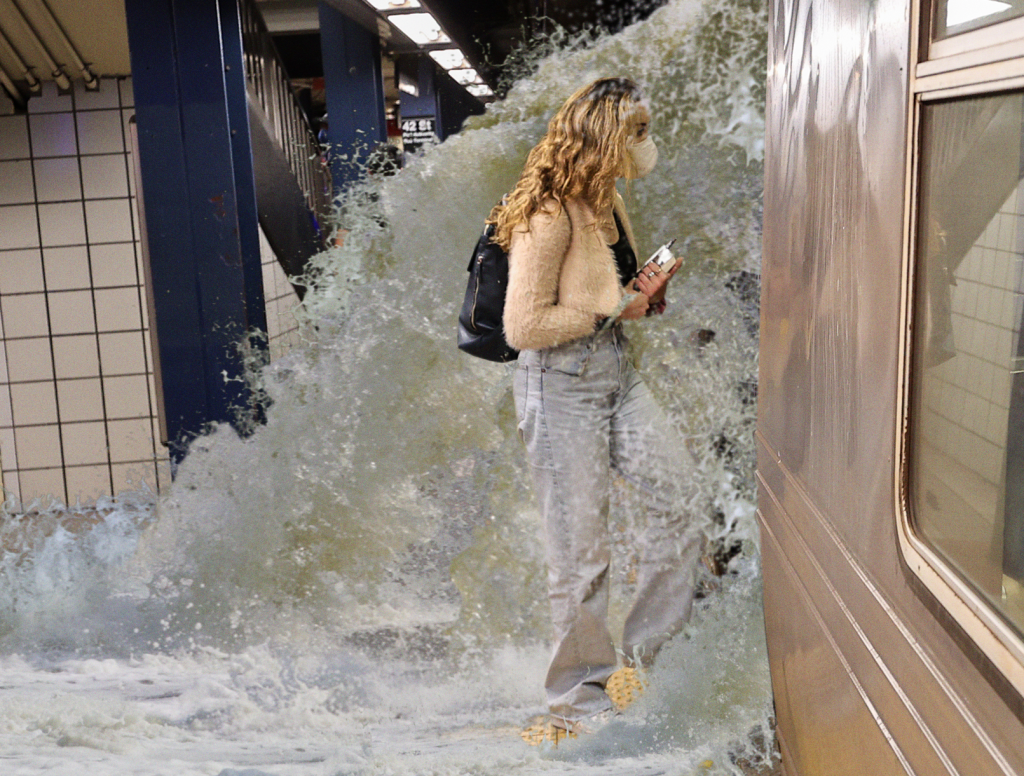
<point>144,325</point>
<point>92,298</point>
<point>10,403</point>
<point>49,319</point>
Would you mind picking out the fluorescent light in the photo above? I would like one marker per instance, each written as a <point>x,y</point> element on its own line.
<point>963,11</point>
<point>449,58</point>
<point>394,5</point>
<point>422,28</point>
<point>480,90</point>
<point>465,76</point>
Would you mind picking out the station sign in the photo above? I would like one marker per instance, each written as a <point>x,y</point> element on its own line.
<point>417,131</point>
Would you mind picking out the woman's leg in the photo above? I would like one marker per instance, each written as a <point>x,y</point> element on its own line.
<point>647,451</point>
<point>564,422</point>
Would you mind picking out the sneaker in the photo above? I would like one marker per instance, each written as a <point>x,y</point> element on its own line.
<point>551,729</point>
<point>543,729</point>
<point>625,686</point>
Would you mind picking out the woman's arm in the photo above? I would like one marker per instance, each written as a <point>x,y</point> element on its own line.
<point>533,319</point>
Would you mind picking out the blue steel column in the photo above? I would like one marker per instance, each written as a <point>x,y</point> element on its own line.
<point>242,159</point>
<point>425,103</point>
<point>454,104</point>
<point>194,203</point>
<point>355,92</point>
<point>439,96</point>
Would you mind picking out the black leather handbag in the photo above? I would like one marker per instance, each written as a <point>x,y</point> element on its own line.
<point>480,328</point>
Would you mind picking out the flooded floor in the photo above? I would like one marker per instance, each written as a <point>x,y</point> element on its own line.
<point>274,712</point>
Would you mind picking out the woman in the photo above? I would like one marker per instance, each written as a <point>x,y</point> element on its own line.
<point>583,410</point>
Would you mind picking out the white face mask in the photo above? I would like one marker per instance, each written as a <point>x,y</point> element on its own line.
<point>644,156</point>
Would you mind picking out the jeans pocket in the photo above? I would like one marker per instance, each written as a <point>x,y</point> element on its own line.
<point>569,359</point>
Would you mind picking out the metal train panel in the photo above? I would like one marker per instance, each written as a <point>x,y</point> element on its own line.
<point>871,674</point>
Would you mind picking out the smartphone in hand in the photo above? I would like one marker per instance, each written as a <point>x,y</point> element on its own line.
<point>662,257</point>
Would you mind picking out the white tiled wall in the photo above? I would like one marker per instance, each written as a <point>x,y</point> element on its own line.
<point>966,400</point>
<point>77,404</point>
<point>281,299</point>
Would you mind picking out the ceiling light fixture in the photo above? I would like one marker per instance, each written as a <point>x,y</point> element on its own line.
<point>465,76</point>
<point>449,58</point>
<point>422,28</point>
<point>394,5</point>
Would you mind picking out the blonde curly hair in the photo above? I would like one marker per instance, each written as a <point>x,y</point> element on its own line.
<point>580,157</point>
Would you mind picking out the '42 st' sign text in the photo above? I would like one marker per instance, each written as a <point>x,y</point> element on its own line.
<point>417,130</point>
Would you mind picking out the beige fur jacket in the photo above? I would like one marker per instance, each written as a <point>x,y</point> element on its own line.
<point>562,275</point>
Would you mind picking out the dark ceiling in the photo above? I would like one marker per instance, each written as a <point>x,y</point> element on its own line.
<point>490,31</point>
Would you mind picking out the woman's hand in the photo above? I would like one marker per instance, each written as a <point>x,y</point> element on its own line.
<point>636,309</point>
<point>653,280</point>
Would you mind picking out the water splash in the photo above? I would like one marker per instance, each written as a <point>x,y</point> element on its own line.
<point>365,567</point>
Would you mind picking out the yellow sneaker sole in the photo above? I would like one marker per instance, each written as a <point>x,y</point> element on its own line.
<point>625,687</point>
<point>541,730</point>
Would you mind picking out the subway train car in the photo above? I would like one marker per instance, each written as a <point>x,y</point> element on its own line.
<point>891,407</point>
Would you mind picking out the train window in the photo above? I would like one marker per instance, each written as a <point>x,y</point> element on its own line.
<point>961,450</point>
<point>967,410</point>
<point>954,17</point>
<point>966,33</point>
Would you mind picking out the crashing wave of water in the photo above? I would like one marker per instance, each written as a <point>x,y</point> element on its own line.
<point>366,567</point>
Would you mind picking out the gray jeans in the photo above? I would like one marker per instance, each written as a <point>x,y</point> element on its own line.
<point>583,413</point>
